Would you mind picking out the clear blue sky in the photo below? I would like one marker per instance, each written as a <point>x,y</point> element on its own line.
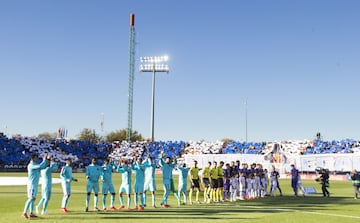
<point>63,63</point>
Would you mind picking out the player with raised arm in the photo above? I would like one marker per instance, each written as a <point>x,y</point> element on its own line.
<point>195,184</point>
<point>139,168</point>
<point>66,179</point>
<point>150,184</point>
<point>93,172</point>
<point>46,185</point>
<point>33,181</point>
<point>182,187</point>
<point>107,183</point>
<point>125,168</point>
<point>166,166</point>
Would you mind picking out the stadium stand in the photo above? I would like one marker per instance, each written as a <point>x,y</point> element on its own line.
<point>16,150</point>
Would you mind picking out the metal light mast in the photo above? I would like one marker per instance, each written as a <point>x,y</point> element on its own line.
<point>131,75</point>
<point>153,65</point>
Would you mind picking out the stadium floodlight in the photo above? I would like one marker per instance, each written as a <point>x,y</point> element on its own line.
<point>153,65</point>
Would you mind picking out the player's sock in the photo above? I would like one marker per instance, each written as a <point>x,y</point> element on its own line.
<point>41,202</point>
<point>104,201</point>
<point>207,193</point>
<point>46,202</point>
<point>87,200</point>
<point>96,199</point>
<point>144,198</point>
<point>32,204</point>
<point>121,200</point>
<point>27,205</point>
<point>185,198</point>
<point>64,201</point>
<point>211,195</point>
<point>136,200</point>
<point>128,202</point>
<point>197,195</point>
<point>179,200</point>
<point>215,197</point>
<point>153,199</point>
<point>112,200</point>
<point>176,195</point>
<point>166,195</point>
<point>190,196</point>
<point>220,195</point>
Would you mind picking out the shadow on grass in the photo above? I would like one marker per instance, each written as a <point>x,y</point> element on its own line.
<point>299,202</point>
<point>178,213</point>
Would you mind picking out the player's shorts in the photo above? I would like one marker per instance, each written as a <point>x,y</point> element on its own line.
<point>172,186</point>
<point>206,182</point>
<point>220,182</point>
<point>214,183</point>
<point>108,187</point>
<point>182,187</point>
<point>66,187</point>
<point>92,186</point>
<point>299,183</point>
<point>32,191</point>
<point>195,184</point>
<point>150,185</point>
<point>227,185</point>
<point>46,192</point>
<point>126,188</point>
<point>139,187</point>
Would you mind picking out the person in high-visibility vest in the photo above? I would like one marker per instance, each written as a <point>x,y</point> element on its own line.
<point>355,177</point>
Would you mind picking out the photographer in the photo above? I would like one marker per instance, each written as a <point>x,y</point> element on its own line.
<point>355,177</point>
<point>324,180</point>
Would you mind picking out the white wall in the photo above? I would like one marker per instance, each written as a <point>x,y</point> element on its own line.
<point>333,162</point>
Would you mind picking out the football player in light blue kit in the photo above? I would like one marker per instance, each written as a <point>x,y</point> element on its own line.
<point>166,167</point>
<point>46,186</point>
<point>183,174</point>
<point>150,184</point>
<point>33,181</point>
<point>125,168</point>
<point>93,172</point>
<point>139,168</point>
<point>107,184</point>
<point>66,179</point>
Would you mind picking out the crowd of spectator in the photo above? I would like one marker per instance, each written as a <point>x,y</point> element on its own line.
<point>16,150</point>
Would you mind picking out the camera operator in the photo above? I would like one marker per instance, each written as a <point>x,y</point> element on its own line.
<point>324,181</point>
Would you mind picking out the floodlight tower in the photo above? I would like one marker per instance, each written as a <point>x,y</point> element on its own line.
<point>153,65</point>
<point>131,75</point>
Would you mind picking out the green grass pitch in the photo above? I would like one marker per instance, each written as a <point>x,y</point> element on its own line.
<point>341,207</point>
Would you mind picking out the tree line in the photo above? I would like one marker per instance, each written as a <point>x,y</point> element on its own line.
<point>92,136</point>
